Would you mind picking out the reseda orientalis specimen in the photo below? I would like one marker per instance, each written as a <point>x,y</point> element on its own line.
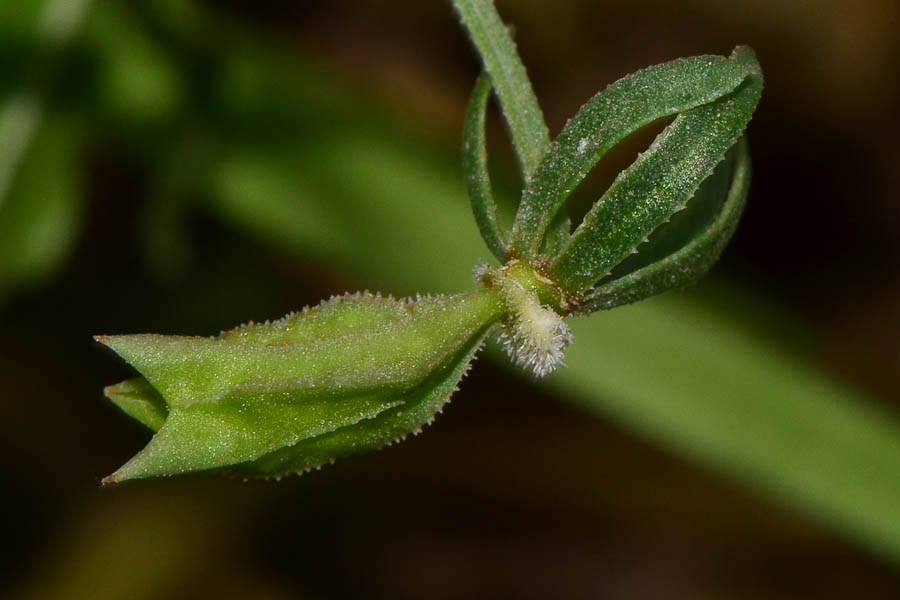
<point>361,371</point>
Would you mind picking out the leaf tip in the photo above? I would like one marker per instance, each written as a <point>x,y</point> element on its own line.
<point>746,56</point>
<point>120,475</point>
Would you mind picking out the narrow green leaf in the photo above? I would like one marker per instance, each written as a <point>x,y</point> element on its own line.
<point>475,169</point>
<point>138,80</point>
<point>260,389</point>
<point>686,264</point>
<point>41,210</point>
<point>606,119</point>
<point>658,184</point>
<point>509,79</point>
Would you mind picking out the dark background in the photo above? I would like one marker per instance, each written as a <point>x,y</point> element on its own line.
<point>587,510</point>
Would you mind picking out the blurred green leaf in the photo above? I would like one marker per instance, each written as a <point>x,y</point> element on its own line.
<point>530,137</point>
<point>40,211</point>
<point>705,386</point>
<point>19,18</point>
<point>40,188</point>
<point>328,204</point>
<point>138,81</point>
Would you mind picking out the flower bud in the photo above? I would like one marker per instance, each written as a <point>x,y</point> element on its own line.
<point>352,374</point>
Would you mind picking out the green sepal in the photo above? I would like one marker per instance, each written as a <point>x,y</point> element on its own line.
<point>417,409</point>
<point>682,251</point>
<point>259,390</point>
<point>475,170</point>
<point>624,107</point>
<point>659,183</point>
<point>140,401</point>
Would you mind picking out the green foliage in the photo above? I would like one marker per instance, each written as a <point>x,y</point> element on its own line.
<point>713,98</point>
<point>137,82</point>
<point>507,73</point>
<point>357,373</point>
<point>673,369</point>
<point>698,381</point>
<point>682,370</point>
<point>661,181</point>
<point>40,202</point>
<point>630,103</point>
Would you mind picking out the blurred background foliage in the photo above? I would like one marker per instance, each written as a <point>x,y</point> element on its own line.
<point>181,167</point>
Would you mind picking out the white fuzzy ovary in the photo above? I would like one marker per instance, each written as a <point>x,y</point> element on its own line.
<point>535,337</point>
